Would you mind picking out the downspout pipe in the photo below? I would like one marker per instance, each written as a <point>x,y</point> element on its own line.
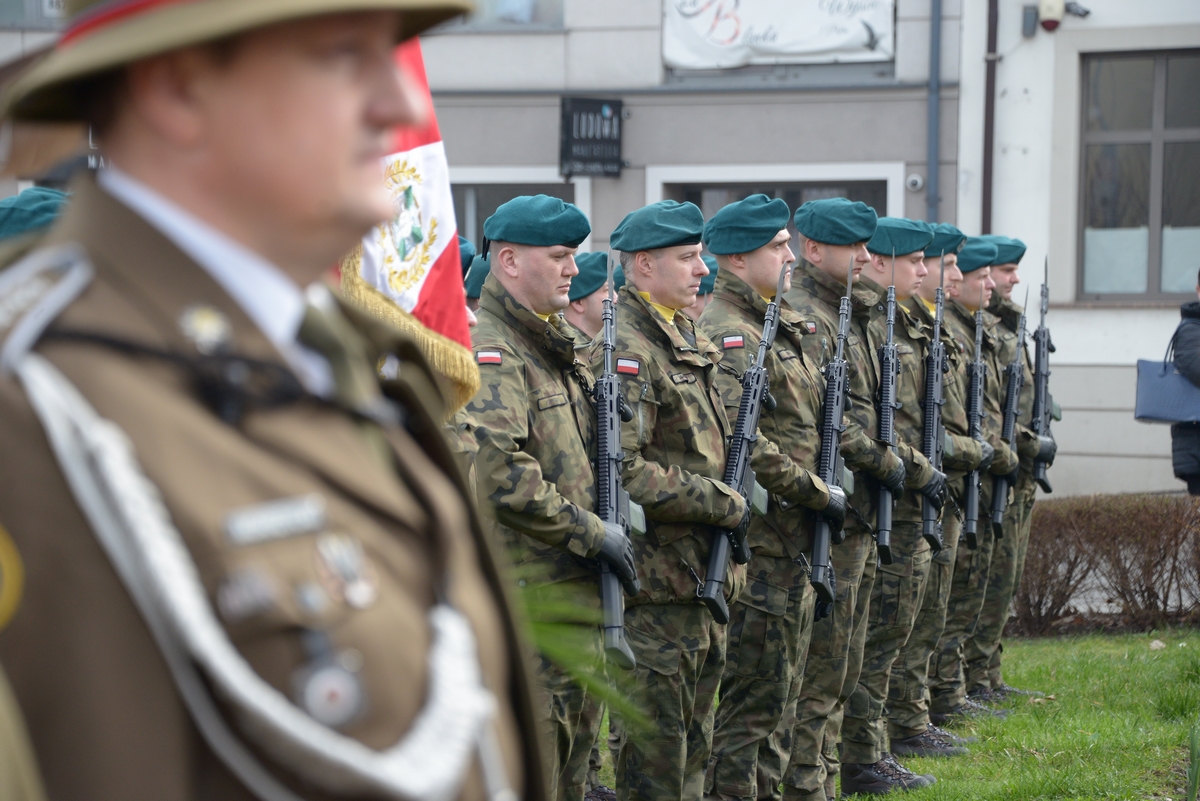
<point>934,108</point>
<point>989,117</point>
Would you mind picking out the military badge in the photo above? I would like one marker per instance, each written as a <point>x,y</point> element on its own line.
<point>733,342</point>
<point>208,329</point>
<point>628,366</point>
<point>489,357</point>
<point>344,571</point>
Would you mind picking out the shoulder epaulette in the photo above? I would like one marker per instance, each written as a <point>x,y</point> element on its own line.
<point>35,291</point>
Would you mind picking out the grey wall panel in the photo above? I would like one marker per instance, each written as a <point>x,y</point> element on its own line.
<point>499,130</point>
<point>1087,475</point>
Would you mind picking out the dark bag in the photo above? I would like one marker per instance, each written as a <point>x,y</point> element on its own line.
<point>1164,395</point>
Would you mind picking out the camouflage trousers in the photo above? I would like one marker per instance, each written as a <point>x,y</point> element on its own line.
<point>830,672</point>
<point>896,596</point>
<point>769,629</point>
<point>908,687</point>
<point>968,585</point>
<point>982,651</point>
<point>569,726</point>
<point>680,653</point>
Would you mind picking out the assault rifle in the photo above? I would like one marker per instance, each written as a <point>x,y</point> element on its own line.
<point>889,371</point>
<point>1014,381</point>
<point>738,473</point>
<point>830,463</point>
<point>1042,402</point>
<point>612,501</point>
<point>932,436</point>
<point>977,371</point>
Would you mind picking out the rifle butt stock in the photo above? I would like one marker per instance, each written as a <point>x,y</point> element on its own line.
<point>822,571</point>
<point>971,511</point>
<point>616,648</point>
<point>713,593</point>
<point>883,526</point>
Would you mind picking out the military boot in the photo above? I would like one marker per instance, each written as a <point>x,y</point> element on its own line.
<point>1005,690</point>
<point>967,710</point>
<point>955,739</point>
<point>926,744</point>
<point>985,695</point>
<point>881,778</point>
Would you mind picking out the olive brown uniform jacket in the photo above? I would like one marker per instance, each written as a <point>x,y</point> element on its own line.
<point>377,530</point>
<point>771,623</point>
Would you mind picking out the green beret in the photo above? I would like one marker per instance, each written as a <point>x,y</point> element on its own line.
<point>836,221</point>
<point>901,236</point>
<point>946,239</point>
<point>476,275</point>
<point>593,272</point>
<point>659,225</point>
<point>1008,250</point>
<point>537,220</point>
<point>466,252</point>
<point>745,225</point>
<point>977,253</point>
<point>618,277</point>
<point>34,208</point>
<point>707,282</point>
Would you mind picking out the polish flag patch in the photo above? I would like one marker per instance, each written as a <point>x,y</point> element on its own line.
<point>810,327</point>
<point>489,357</point>
<point>628,366</point>
<point>733,342</point>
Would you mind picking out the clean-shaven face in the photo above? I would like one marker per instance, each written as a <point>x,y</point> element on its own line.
<point>976,288</point>
<point>675,273</point>
<point>952,280</point>
<point>764,265</point>
<point>833,260</point>
<point>910,272</point>
<point>538,277</point>
<point>1005,277</point>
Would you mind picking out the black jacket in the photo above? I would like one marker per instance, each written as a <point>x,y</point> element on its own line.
<point>1185,437</point>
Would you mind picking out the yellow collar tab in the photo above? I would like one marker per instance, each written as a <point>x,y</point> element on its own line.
<point>666,312</point>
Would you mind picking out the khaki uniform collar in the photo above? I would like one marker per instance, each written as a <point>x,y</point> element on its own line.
<point>680,336</point>
<point>737,292</point>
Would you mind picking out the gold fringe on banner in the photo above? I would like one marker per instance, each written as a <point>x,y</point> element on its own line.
<point>455,363</point>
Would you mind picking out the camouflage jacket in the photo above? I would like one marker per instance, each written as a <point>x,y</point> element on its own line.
<point>675,449</point>
<point>790,438</point>
<point>964,453</point>
<point>1010,317</point>
<point>535,426</point>
<point>962,322</point>
<point>817,296</point>
<point>912,340</point>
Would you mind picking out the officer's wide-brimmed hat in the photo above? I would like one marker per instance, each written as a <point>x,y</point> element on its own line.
<point>976,254</point>
<point>593,272</point>
<point>101,35</point>
<point>946,240</point>
<point>746,225</point>
<point>836,221</point>
<point>900,236</point>
<point>664,224</point>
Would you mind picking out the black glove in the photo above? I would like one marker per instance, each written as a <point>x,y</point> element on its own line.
<point>935,489</point>
<point>989,453</point>
<point>741,549</point>
<point>617,550</point>
<point>894,480</point>
<point>835,510</point>
<point>1047,448</point>
<point>823,609</point>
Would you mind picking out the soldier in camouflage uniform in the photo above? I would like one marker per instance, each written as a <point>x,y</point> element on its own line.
<point>909,728</point>
<point>983,651</point>
<point>947,679</point>
<point>771,621</point>
<point>675,450</point>
<point>833,234</point>
<point>535,424</point>
<point>584,313</point>
<point>898,588</point>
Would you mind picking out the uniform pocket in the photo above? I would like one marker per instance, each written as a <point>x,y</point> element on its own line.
<point>756,635</point>
<point>658,655</point>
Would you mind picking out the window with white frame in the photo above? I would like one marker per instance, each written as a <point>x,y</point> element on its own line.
<point>1140,206</point>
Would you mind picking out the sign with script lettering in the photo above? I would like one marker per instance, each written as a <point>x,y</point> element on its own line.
<point>719,34</point>
<point>590,137</point>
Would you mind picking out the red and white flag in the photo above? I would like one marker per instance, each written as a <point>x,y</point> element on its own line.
<point>412,260</point>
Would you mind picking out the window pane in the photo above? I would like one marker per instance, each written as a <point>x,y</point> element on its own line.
<point>1116,237</point>
<point>1120,93</point>
<point>1181,216</point>
<point>1183,92</point>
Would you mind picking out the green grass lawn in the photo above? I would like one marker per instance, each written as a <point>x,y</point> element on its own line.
<point>1116,727</point>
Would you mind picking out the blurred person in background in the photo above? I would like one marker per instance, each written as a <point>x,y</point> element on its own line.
<point>1185,437</point>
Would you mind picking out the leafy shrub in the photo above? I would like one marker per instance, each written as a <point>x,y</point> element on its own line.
<point>1057,564</point>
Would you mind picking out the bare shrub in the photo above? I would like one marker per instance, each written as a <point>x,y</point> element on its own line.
<point>1057,564</point>
<point>1142,549</point>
